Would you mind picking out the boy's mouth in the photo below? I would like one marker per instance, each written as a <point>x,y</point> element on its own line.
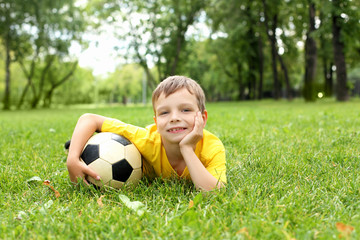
<point>176,130</point>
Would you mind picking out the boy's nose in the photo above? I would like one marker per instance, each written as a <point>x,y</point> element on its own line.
<point>174,117</point>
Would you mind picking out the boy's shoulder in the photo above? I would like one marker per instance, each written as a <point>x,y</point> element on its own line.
<point>151,127</point>
<point>211,147</point>
<point>211,135</point>
<point>210,140</point>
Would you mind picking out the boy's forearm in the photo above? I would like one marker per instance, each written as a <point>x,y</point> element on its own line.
<point>84,129</point>
<point>200,176</point>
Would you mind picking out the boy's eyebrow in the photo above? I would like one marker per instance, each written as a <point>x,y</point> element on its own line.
<point>159,108</point>
<point>182,105</point>
<point>186,105</point>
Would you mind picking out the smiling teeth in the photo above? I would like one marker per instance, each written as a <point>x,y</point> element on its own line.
<point>176,129</point>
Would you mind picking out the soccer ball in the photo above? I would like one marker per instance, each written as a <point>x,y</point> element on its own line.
<point>114,158</point>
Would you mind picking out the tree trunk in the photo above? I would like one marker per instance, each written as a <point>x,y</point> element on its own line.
<point>272,39</point>
<point>261,69</point>
<point>54,85</point>
<point>29,77</point>
<point>124,100</point>
<point>287,80</point>
<point>48,98</point>
<point>240,81</point>
<point>252,63</point>
<point>328,78</point>
<point>309,90</point>
<point>22,98</point>
<point>6,100</point>
<point>339,59</point>
<point>276,87</point>
<point>37,97</point>
<point>179,42</point>
<point>183,24</point>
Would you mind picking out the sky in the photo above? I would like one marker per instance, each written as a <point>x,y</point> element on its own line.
<point>100,55</point>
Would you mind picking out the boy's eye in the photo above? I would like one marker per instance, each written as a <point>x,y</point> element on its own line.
<point>186,110</point>
<point>163,113</point>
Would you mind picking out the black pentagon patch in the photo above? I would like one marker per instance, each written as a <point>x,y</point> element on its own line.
<point>120,139</point>
<point>90,153</point>
<point>121,170</point>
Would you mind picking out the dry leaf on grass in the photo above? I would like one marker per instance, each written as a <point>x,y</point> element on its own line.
<point>191,203</point>
<point>47,183</point>
<point>344,229</point>
<point>99,201</point>
<point>244,231</point>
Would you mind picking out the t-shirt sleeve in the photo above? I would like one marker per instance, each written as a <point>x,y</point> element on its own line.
<point>134,134</point>
<point>127,130</point>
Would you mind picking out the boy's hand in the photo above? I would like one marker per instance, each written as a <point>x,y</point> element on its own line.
<point>79,169</point>
<point>196,134</point>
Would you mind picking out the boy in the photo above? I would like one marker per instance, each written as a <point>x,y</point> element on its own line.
<point>176,144</point>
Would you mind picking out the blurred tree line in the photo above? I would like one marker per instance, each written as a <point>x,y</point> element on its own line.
<point>237,50</point>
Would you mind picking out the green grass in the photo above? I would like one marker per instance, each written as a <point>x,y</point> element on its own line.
<point>293,172</point>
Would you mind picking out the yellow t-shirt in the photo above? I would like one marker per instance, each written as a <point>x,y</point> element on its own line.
<point>209,150</point>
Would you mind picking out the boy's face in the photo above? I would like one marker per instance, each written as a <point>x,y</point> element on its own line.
<point>175,115</point>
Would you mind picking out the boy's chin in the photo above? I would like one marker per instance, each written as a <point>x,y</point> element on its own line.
<point>174,140</point>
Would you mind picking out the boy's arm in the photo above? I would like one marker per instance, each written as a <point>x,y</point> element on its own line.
<point>84,129</point>
<point>200,176</point>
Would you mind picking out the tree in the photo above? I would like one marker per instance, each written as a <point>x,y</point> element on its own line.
<point>339,51</point>
<point>58,77</point>
<point>309,91</point>
<point>78,89</point>
<point>339,41</point>
<point>237,43</point>
<point>326,53</point>
<point>123,85</point>
<point>203,66</point>
<point>12,15</point>
<point>56,25</point>
<point>155,30</point>
<point>271,23</point>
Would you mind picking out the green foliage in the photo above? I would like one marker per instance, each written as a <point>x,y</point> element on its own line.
<point>237,48</point>
<point>155,32</point>
<point>203,66</point>
<point>79,89</point>
<point>124,85</point>
<point>221,43</point>
<point>33,33</point>
<point>292,174</point>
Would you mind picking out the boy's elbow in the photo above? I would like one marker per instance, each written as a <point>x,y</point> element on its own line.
<point>86,116</point>
<point>92,120</point>
<point>218,186</point>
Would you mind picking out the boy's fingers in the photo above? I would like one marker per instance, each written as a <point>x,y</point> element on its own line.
<point>199,121</point>
<point>85,181</point>
<point>73,179</point>
<point>91,173</point>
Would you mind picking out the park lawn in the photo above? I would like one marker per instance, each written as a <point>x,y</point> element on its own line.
<point>293,173</point>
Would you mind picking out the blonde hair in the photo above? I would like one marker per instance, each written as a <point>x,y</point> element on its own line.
<point>174,83</point>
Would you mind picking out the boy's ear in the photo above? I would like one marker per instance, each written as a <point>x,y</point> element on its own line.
<point>205,117</point>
